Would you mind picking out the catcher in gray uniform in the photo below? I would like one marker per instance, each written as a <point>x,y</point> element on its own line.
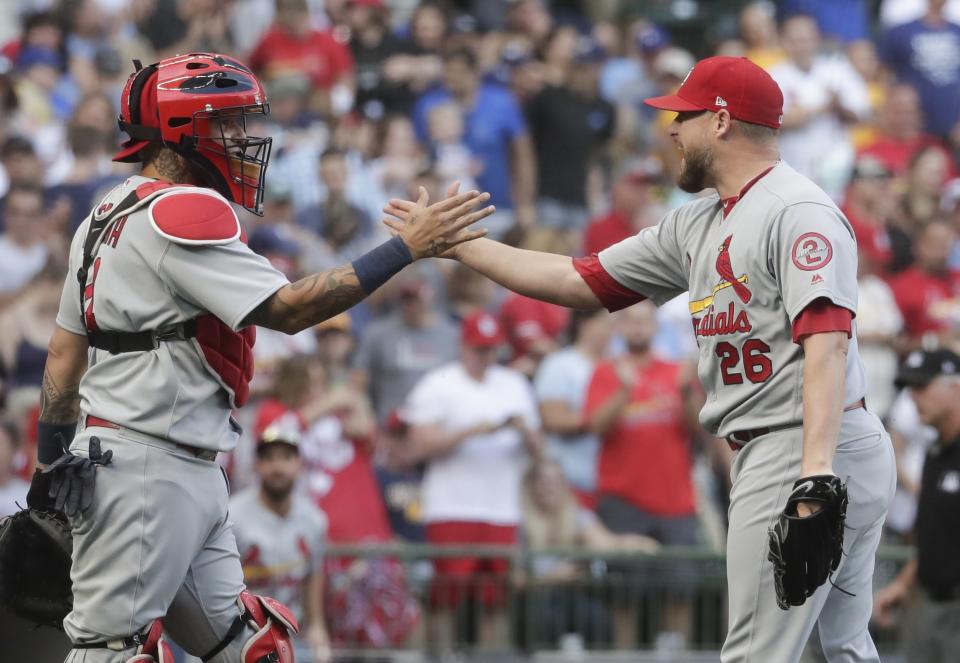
<point>770,265</point>
<point>152,352</point>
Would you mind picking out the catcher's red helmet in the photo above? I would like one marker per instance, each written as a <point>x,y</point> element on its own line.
<point>196,105</point>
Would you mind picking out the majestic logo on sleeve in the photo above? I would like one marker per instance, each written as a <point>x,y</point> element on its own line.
<point>729,321</point>
<point>811,251</point>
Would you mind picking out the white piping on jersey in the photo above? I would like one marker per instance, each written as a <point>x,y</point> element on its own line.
<point>193,242</point>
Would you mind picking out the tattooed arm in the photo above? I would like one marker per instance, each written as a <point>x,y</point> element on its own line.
<point>428,232</point>
<point>66,364</point>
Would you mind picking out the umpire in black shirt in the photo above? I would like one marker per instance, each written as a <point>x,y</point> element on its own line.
<point>933,378</point>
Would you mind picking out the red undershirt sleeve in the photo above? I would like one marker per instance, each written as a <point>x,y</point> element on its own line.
<point>611,294</point>
<point>821,316</point>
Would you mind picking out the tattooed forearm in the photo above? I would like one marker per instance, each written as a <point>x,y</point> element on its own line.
<point>58,405</point>
<point>309,301</point>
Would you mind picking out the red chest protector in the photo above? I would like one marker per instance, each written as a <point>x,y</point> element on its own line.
<point>189,216</point>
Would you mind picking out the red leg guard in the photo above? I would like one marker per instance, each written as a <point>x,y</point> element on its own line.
<point>275,624</point>
<point>154,649</point>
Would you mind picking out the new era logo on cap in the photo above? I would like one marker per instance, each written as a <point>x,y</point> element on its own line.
<point>738,85</point>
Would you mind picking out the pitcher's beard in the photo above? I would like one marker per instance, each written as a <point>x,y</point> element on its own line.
<point>695,175</point>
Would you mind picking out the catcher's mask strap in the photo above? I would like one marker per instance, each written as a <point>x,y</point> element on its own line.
<point>238,623</point>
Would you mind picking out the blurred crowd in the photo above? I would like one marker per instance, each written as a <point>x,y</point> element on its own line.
<point>444,409</point>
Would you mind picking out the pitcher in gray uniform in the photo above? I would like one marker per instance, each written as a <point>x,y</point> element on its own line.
<point>151,354</point>
<point>770,265</point>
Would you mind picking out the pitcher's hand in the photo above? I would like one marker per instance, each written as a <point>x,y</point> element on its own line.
<point>436,230</point>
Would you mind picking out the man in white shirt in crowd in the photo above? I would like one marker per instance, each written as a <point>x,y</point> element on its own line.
<point>474,423</point>
<point>821,95</point>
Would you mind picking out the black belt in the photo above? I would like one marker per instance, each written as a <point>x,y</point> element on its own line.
<point>119,644</point>
<point>738,439</point>
<point>118,342</point>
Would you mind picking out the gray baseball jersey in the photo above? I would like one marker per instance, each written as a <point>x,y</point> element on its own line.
<point>147,279</point>
<point>749,275</point>
<point>278,553</point>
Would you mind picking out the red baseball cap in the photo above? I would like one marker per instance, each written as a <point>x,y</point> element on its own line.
<point>738,85</point>
<point>482,330</point>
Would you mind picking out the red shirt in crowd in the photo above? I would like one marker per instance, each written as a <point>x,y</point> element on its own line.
<point>645,457</point>
<point>318,55</point>
<point>872,239</point>
<point>928,302</point>
<point>896,153</point>
<point>527,321</point>
<point>605,231</point>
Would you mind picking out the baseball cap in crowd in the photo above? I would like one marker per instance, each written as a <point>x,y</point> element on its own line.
<point>922,366</point>
<point>735,84</point>
<point>284,428</point>
<point>482,330</point>
<point>31,56</point>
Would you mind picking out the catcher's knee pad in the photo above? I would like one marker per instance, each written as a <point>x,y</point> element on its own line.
<point>273,625</point>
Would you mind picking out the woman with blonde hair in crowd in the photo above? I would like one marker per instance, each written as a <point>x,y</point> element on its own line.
<point>553,519</point>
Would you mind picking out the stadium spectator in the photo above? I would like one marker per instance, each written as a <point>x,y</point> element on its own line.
<point>630,207</point>
<point>926,175</point>
<point>400,479</point>
<point>758,28</point>
<point>281,537</point>
<point>396,351</point>
<point>23,244</point>
<point>553,519</point>
<point>879,325</point>
<point>496,134</point>
<point>13,489</point>
<point>561,388</point>
<point>339,220</point>
<point>19,166</point>
<point>870,205</point>
<point>26,326</point>
<point>640,408</point>
<point>452,158</point>
<point>933,383</point>
<point>292,45</point>
<point>570,124</point>
<point>928,293</point>
<point>534,328</point>
<point>822,95</point>
<point>899,130</point>
<point>840,21</point>
<point>922,53</point>
<point>474,423</point>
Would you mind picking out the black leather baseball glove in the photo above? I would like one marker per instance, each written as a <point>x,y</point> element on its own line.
<point>35,548</point>
<point>805,551</point>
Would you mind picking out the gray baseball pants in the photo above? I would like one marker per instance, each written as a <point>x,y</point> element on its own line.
<point>155,544</point>
<point>763,474</point>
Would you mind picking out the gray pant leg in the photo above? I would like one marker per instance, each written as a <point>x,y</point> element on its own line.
<point>870,465</point>
<point>206,605</point>
<point>153,510</point>
<point>764,472</point>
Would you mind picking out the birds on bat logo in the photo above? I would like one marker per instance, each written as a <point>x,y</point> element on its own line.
<point>725,270</point>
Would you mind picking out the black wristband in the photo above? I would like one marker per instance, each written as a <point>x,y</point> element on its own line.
<point>375,267</point>
<point>53,440</point>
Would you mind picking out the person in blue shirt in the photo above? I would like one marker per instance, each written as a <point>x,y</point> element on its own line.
<point>926,54</point>
<point>496,134</point>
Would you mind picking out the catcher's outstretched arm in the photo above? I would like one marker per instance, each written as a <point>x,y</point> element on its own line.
<point>60,392</point>
<point>824,376</point>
